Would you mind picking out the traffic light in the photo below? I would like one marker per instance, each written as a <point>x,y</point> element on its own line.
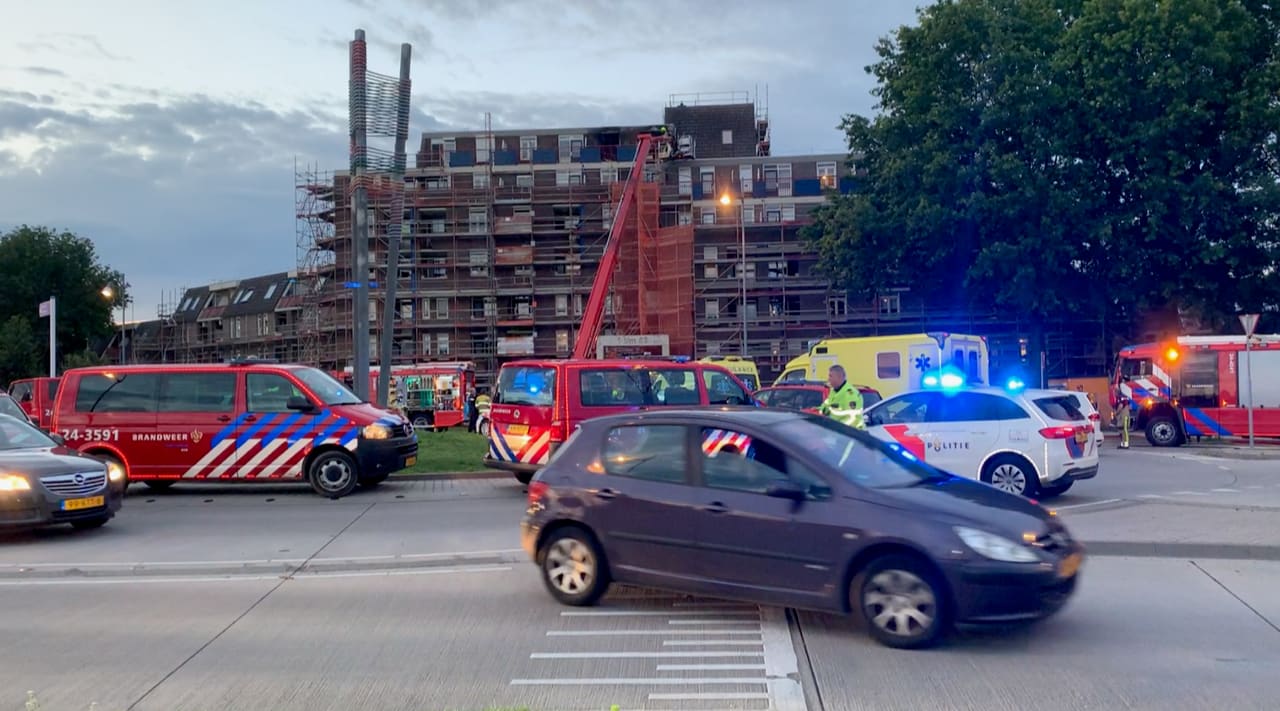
<point>1171,354</point>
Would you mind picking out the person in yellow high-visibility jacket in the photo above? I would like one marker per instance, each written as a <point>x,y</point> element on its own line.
<point>844,401</point>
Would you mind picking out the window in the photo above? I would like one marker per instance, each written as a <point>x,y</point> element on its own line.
<point>674,387</point>
<point>652,452</point>
<point>197,392</point>
<point>838,305</point>
<point>480,180</point>
<point>721,390</point>
<point>524,180</point>
<point>484,145</point>
<point>1200,380</point>
<point>1132,367</point>
<point>570,148</point>
<point>745,179</point>
<point>562,340</point>
<point>127,393</point>
<point>269,392</point>
<point>527,146</point>
<point>611,387</point>
<point>442,344</point>
<point>562,304</point>
<point>526,385</point>
<point>708,178</point>
<point>748,214</point>
<point>726,137</point>
<point>524,306</point>
<point>478,220</point>
<point>859,458</point>
<point>710,253</point>
<point>773,214</point>
<point>264,324</point>
<point>913,408</point>
<point>271,290</point>
<point>788,213</point>
<point>891,304</point>
<point>889,365</point>
<point>686,181</point>
<point>237,327</point>
<point>1063,407</point>
<point>577,304</point>
<point>442,307</point>
<point>736,461</point>
<point>708,215</point>
<point>827,175</point>
<point>711,309</point>
<point>979,407</point>
<point>21,392</point>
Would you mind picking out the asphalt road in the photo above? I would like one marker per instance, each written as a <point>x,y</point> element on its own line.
<point>415,597</point>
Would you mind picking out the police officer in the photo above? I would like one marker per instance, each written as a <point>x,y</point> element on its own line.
<point>844,401</point>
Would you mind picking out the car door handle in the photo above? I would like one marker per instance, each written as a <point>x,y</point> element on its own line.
<point>715,507</point>
<point>606,494</point>
<point>224,418</point>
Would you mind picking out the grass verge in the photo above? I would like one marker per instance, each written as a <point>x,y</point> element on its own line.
<point>453,450</point>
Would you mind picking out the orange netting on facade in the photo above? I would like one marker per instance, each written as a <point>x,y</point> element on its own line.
<point>653,287</point>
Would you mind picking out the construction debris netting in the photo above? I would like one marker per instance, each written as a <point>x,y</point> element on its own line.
<point>653,287</point>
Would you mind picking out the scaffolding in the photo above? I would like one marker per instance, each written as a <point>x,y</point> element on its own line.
<point>316,231</point>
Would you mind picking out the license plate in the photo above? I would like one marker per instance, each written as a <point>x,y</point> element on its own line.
<point>86,503</point>
<point>1070,565</point>
<point>410,461</point>
<point>517,429</point>
<point>1082,437</point>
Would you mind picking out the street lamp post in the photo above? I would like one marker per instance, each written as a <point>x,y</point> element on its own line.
<point>742,265</point>
<point>118,297</point>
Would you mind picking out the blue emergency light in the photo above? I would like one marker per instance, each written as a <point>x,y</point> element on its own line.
<point>946,378</point>
<point>1015,384</point>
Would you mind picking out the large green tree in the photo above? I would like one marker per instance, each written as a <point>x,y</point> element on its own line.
<point>36,263</point>
<point>1068,158</point>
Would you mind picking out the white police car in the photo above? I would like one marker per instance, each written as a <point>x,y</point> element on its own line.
<point>1026,442</point>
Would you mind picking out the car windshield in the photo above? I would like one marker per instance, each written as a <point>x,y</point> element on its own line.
<point>11,408</point>
<point>526,385</point>
<point>325,387</point>
<point>857,456</point>
<point>1064,408</point>
<point>15,433</point>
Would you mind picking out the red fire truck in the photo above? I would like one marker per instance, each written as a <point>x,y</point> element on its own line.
<point>1199,386</point>
<point>435,394</point>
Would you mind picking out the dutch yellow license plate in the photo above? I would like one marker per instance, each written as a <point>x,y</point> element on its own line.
<point>410,461</point>
<point>1070,565</point>
<point>86,503</point>
<point>517,429</point>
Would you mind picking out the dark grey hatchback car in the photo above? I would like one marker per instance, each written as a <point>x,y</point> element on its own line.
<point>784,508</point>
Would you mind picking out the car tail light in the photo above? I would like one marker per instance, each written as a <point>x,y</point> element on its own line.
<point>537,490</point>
<point>1094,417</point>
<point>1058,432</point>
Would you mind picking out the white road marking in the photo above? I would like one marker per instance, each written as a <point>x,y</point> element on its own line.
<point>1091,503</point>
<point>1151,496</point>
<point>744,696</point>
<point>147,580</point>
<point>624,633</point>
<point>712,642</point>
<point>1228,491</point>
<point>785,693</point>
<point>1254,486</point>
<point>713,622</point>
<point>710,667</point>
<point>632,681</point>
<point>260,561</point>
<point>652,613</point>
<point>715,604</point>
<point>642,655</point>
<point>1224,468</point>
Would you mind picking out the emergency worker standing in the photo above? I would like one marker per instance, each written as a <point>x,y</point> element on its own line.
<point>1125,416</point>
<point>844,402</point>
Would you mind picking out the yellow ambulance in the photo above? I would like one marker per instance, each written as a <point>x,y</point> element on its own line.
<point>744,368</point>
<point>892,364</point>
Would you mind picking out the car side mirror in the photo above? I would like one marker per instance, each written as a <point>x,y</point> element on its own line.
<point>1124,378</point>
<point>300,403</point>
<point>26,397</point>
<point>733,400</point>
<point>787,490</point>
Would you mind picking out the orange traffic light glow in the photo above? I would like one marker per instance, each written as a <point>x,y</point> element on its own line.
<point>1171,354</point>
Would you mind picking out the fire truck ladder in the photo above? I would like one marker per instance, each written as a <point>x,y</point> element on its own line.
<point>593,314</point>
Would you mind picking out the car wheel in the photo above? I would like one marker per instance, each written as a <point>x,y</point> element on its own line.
<point>1162,432</point>
<point>1011,474</point>
<point>421,422</point>
<point>86,524</point>
<point>573,568</point>
<point>524,477</point>
<point>902,601</point>
<point>1056,489</point>
<point>333,474</point>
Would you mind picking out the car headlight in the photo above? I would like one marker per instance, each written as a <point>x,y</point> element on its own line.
<point>13,482</point>
<point>377,431</point>
<point>989,545</point>
<point>115,472</point>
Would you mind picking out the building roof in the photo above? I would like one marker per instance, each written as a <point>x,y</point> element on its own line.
<point>257,295</point>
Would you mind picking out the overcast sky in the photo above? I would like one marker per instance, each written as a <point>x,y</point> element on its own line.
<point>167,132</point>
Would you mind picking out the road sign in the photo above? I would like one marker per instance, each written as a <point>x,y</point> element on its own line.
<point>1250,322</point>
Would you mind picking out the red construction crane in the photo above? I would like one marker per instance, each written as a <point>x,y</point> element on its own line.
<point>593,315</point>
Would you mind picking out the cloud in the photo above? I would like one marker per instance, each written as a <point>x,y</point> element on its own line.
<point>45,71</point>
<point>80,44</point>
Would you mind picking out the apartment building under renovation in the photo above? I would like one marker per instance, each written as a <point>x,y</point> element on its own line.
<point>501,233</point>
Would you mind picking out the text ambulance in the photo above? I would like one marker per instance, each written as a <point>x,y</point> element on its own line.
<point>246,421</point>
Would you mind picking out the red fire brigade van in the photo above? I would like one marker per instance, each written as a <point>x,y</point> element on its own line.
<point>35,396</point>
<point>539,403</point>
<point>245,421</point>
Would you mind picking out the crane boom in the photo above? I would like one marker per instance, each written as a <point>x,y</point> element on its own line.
<point>593,315</point>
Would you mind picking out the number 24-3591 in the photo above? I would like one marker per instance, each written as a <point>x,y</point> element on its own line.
<point>93,434</point>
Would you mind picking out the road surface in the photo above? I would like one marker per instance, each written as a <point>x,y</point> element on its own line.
<point>415,597</point>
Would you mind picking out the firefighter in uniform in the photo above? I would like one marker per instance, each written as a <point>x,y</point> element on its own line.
<point>844,401</point>
<point>1125,415</point>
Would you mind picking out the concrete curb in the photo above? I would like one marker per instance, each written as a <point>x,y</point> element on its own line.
<point>1209,551</point>
<point>451,476</point>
